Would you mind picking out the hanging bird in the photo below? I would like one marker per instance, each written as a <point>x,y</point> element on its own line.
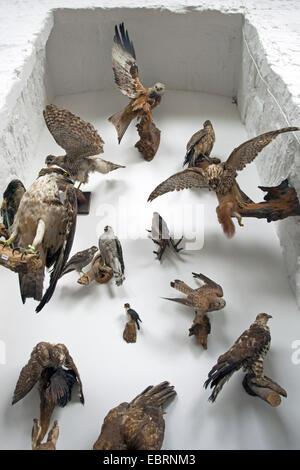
<point>138,425</point>
<point>78,261</point>
<point>248,352</point>
<point>112,253</point>
<point>81,142</point>
<point>142,100</point>
<point>45,222</point>
<point>221,178</point>
<point>133,315</point>
<point>161,236</point>
<point>11,201</point>
<point>56,373</point>
<point>200,145</point>
<point>53,434</point>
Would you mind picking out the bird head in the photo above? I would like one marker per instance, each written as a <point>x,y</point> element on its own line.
<point>11,190</point>
<point>219,304</point>
<point>207,123</point>
<point>59,354</point>
<point>126,306</point>
<point>93,249</point>
<point>49,160</point>
<point>159,88</point>
<point>107,228</point>
<point>263,318</point>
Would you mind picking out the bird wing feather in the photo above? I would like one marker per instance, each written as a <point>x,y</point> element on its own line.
<point>209,285</point>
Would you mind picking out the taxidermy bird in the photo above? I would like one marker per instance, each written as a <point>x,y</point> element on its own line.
<point>206,298</point>
<point>53,434</point>
<point>221,178</point>
<point>161,236</point>
<point>111,250</point>
<point>248,352</point>
<point>52,367</point>
<point>11,201</point>
<point>79,261</point>
<point>142,100</point>
<point>81,142</point>
<point>138,425</point>
<point>45,223</point>
<point>200,145</point>
<point>133,315</point>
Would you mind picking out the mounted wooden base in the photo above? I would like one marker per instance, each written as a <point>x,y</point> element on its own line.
<point>15,262</point>
<point>129,334</point>
<point>264,388</point>
<point>149,138</point>
<point>83,202</point>
<point>98,272</point>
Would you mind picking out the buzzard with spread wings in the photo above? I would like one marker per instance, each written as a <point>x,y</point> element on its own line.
<point>142,100</point>
<point>221,178</point>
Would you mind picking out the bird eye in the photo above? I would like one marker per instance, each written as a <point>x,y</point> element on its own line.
<point>66,174</point>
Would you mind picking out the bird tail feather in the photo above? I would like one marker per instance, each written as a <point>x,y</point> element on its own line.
<point>157,395</point>
<point>120,123</point>
<point>31,285</point>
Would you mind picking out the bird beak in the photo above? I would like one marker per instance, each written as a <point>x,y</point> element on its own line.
<point>4,204</point>
<point>270,316</point>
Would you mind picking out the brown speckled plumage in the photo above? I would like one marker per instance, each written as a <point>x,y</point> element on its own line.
<point>138,425</point>
<point>200,145</point>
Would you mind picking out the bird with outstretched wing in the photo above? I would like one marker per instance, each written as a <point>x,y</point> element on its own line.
<point>81,142</point>
<point>125,69</point>
<point>221,178</point>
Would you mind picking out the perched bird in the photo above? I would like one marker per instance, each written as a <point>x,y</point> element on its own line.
<point>142,100</point>
<point>81,142</point>
<point>204,299</point>
<point>200,145</point>
<point>53,434</point>
<point>11,201</point>
<point>248,352</point>
<point>138,425</point>
<point>79,261</point>
<point>56,373</point>
<point>161,236</point>
<point>112,253</point>
<point>45,222</point>
<point>133,315</point>
<point>221,178</point>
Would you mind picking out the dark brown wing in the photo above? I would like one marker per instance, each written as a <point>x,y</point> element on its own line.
<point>124,63</point>
<point>70,364</point>
<point>64,252</point>
<point>120,254</point>
<point>190,178</point>
<point>195,139</point>
<point>159,230</point>
<point>75,136</point>
<point>209,284</point>
<point>247,151</point>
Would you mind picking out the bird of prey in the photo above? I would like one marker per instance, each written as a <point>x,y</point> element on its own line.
<point>11,201</point>
<point>221,178</point>
<point>138,425</point>
<point>248,352</point>
<point>52,367</point>
<point>206,298</point>
<point>80,260</point>
<point>53,434</point>
<point>200,145</point>
<point>45,222</point>
<point>133,315</point>
<point>142,100</point>
<point>81,142</point>
<point>112,253</point>
<point>161,236</point>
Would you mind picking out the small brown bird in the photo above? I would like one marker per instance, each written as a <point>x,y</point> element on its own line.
<point>56,373</point>
<point>81,142</point>
<point>200,145</point>
<point>248,352</point>
<point>221,178</point>
<point>138,425</point>
<point>161,236</point>
<point>125,69</point>
<point>78,261</point>
<point>53,434</point>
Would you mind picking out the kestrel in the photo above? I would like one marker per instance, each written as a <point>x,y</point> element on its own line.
<point>52,367</point>
<point>45,222</point>
<point>221,178</point>
<point>81,142</point>
<point>248,352</point>
<point>142,100</point>
<point>111,250</point>
<point>138,425</point>
<point>78,261</point>
<point>200,145</point>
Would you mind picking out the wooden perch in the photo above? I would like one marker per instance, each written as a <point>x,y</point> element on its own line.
<point>98,272</point>
<point>28,264</point>
<point>264,388</point>
<point>149,138</point>
<point>129,333</point>
<point>200,328</point>
<point>281,202</point>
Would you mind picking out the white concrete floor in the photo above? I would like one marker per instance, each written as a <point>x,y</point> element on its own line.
<point>90,320</point>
